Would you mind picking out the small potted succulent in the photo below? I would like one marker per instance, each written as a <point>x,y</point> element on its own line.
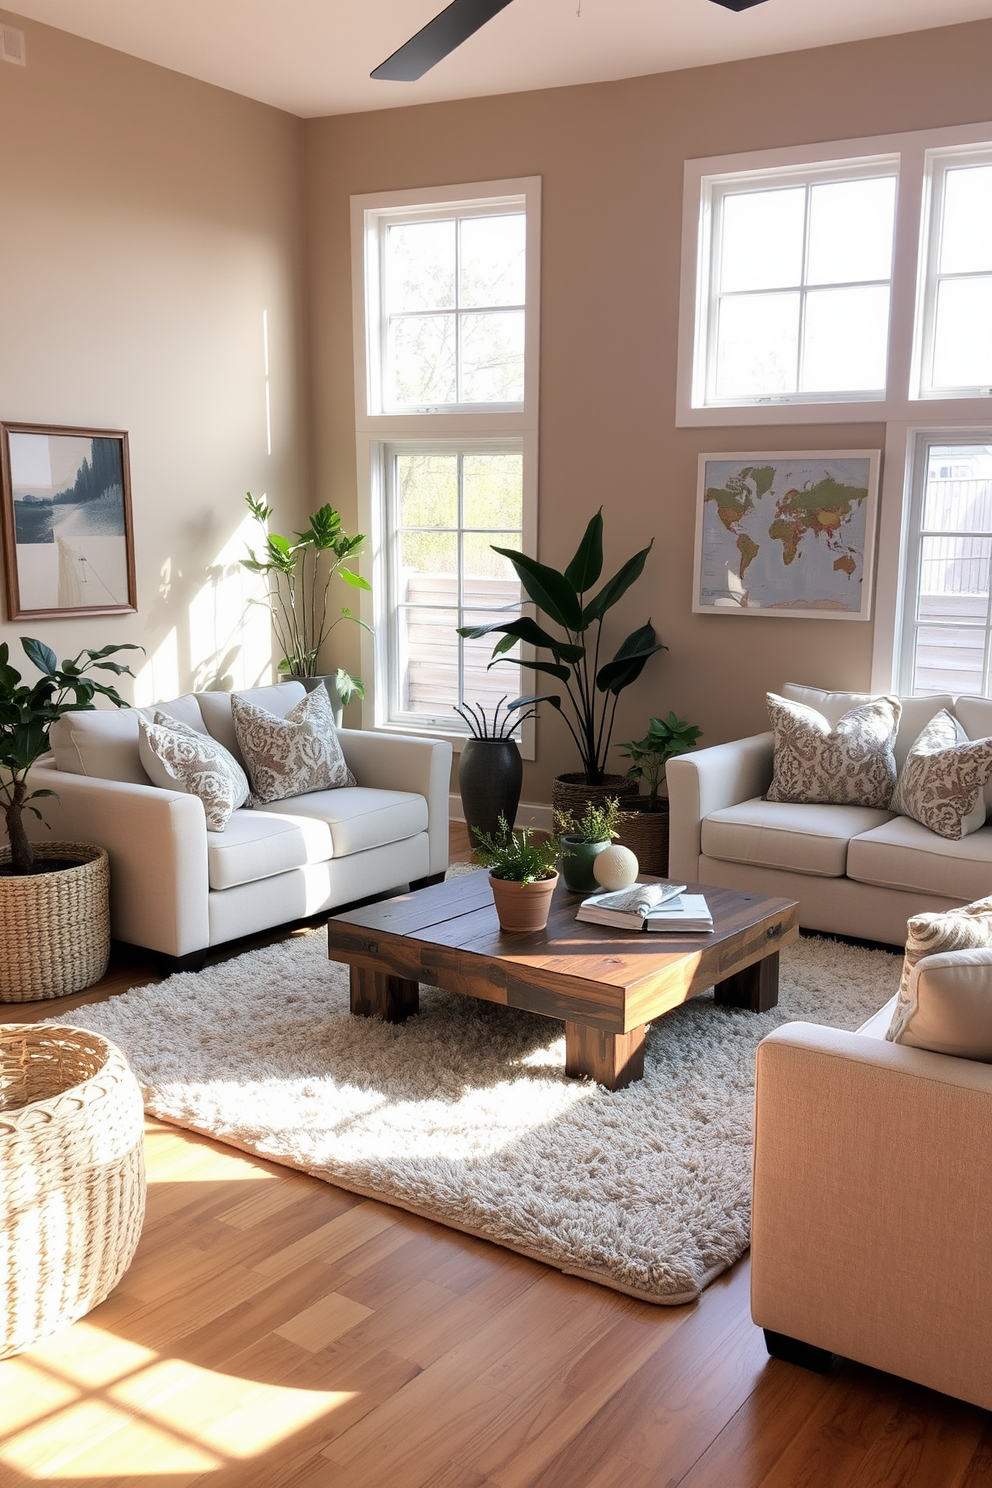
<point>584,838</point>
<point>522,875</point>
<point>645,829</point>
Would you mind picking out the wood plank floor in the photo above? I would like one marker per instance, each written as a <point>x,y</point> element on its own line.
<point>275,1332</point>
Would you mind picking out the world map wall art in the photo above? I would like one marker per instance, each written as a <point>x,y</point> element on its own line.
<point>787,535</point>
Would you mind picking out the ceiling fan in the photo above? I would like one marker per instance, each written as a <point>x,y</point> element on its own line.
<point>455,24</point>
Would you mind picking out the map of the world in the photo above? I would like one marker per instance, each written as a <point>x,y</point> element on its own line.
<point>785,535</point>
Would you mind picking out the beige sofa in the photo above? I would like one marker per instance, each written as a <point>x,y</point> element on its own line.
<point>872,1226</point>
<point>179,889</point>
<point>854,870</point>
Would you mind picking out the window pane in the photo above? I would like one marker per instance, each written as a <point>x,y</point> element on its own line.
<point>493,260</point>
<point>428,490</point>
<point>962,349</point>
<point>757,346</point>
<point>966,230</point>
<point>762,239</point>
<point>954,578</point>
<point>420,266</point>
<point>484,686</point>
<point>850,230</point>
<point>492,351</point>
<point>846,340</point>
<point>493,491</point>
<point>958,495</point>
<point>486,571</point>
<point>428,567</point>
<point>421,359</point>
<point>949,660</point>
<point>427,659</point>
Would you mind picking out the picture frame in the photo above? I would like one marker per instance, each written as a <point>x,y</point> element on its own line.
<point>788,535</point>
<point>66,522</point>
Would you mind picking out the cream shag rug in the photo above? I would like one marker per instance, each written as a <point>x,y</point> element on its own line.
<point>464,1113</point>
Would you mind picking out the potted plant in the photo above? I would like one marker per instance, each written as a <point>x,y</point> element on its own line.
<point>490,770</point>
<point>522,875</point>
<point>645,829</point>
<point>591,687</point>
<point>584,838</point>
<point>54,905</point>
<point>298,575</point>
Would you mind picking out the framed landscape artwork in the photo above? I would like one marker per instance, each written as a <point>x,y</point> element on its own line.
<point>786,535</point>
<point>66,519</point>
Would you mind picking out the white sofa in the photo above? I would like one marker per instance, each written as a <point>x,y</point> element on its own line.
<point>872,1226</point>
<point>178,889</point>
<point>854,870</point>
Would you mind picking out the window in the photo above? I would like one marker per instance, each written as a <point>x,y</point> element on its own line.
<point>800,270</point>
<point>446,360</point>
<point>947,637</point>
<point>956,352</point>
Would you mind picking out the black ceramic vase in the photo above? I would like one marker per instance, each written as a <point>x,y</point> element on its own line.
<point>490,773</point>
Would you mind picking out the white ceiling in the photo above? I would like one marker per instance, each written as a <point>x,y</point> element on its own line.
<point>314,57</point>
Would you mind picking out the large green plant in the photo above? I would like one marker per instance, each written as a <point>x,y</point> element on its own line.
<point>592,686</point>
<point>298,575</point>
<point>27,714</point>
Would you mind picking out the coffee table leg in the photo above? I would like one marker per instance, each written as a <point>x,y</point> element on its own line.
<point>376,995</point>
<point>611,1059</point>
<point>756,987</point>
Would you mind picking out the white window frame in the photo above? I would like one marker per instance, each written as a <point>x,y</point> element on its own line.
<point>938,162</point>
<point>444,427</point>
<point>901,403</point>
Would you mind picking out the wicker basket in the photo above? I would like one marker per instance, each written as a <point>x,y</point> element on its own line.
<point>73,1192</point>
<point>55,927</point>
<point>571,793</point>
<point>646,834</point>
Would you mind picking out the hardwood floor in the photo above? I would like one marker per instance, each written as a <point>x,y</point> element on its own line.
<point>275,1331</point>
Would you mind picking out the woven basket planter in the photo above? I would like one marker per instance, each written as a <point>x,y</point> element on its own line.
<point>571,793</point>
<point>55,927</point>
<point>646,834</point>
<point>72,1195</point>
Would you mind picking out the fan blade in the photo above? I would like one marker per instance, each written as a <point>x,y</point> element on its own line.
<point>439,37</point>
<point>736,4</point>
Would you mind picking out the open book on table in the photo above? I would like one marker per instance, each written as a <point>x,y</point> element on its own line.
<point>648,907</point>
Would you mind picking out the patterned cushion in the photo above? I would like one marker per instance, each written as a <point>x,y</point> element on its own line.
<point>941,784</point>
<point>177,757</point>
<point>933,934</point>
<point>293,755</point>
<point>851,764</point>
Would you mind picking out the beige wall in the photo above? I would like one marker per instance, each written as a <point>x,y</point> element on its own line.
<point>146,223</point>
<point>611,158</point>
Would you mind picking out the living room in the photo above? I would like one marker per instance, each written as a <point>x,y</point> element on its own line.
<point>179,263</point>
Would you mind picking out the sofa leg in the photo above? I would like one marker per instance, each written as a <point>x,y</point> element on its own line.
<point>194,961</point>
<point>426,883</point>
<point>794,1351</point>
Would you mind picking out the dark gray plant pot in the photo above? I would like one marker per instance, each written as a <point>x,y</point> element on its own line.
<point>490,774</point>
<point>312,683</point>
<point>577,855</point>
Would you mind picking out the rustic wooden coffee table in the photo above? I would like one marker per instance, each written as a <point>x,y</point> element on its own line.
<point>605,984</point>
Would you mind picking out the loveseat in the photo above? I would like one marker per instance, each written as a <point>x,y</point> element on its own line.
<point>855,870</point>
<point>178,889</point>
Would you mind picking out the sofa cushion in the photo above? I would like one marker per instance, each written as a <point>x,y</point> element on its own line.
<point>948,1006</point>
<point>957,929</point>
<point>358,817</point>
<point>779,834</point>
<point>902,854</point>
<point>294,755</point>
<point>176,757</point>
<point>850,763</point>
<point>975,716</point>
<point>916,712</point>
<point>943,780</point>
<point>103,742</point>
<point>259,844</point>
<point>216,710</point>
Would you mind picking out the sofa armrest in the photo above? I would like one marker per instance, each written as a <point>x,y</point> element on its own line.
<point>157,842</point>
<point>872,1229</point>
<point>708,780</point>
<point>406,763</point>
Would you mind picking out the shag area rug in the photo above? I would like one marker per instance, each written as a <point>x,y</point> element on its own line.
<point>464,1114</point>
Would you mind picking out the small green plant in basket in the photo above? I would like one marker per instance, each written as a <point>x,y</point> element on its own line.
<point>665,738</point>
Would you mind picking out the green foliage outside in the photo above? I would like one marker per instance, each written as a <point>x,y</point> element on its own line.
<point>516,855</point>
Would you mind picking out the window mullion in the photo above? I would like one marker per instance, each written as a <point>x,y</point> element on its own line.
<point>461,575</point>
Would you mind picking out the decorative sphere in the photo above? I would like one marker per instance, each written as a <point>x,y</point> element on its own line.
<point>615,868</point>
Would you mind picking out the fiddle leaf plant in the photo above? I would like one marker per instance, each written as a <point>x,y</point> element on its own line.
<point>26,716</point>
<point>591,686</point>
<point>665,738</point>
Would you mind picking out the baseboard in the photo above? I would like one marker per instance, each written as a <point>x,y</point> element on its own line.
<point>529,813</point>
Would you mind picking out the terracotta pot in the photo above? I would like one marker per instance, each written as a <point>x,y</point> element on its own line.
<point>522,906</point>
<point>577,856</point>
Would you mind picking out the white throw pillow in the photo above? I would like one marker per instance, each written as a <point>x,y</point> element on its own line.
<point>177,757</point>
<point>949,1006</point>
<point>851,764</point>
<point>294,755</point>
<point>942,783</point>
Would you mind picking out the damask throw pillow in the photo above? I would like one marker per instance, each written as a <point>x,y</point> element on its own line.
<point>851,764</point>
<point>294,755</point>
<point>177,757</point>
<point>962,929</point>
<point>942,782</point>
